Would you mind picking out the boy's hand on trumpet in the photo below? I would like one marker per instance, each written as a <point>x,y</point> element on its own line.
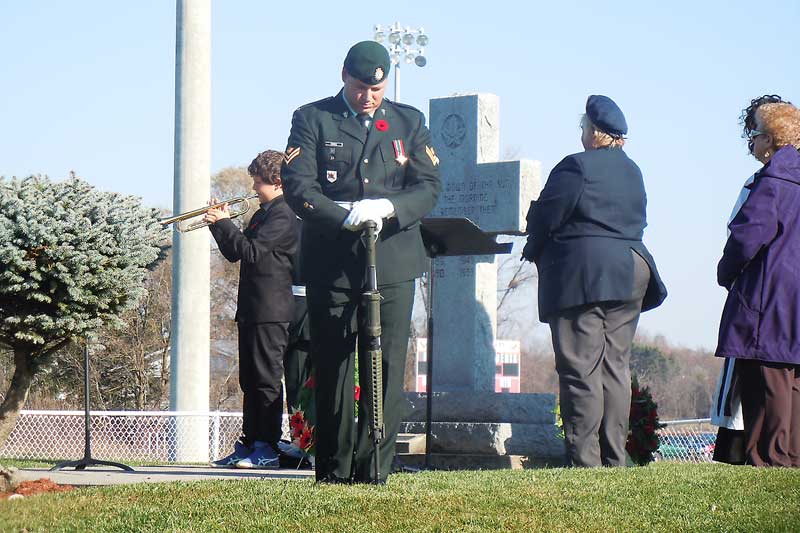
<point>215,214</point>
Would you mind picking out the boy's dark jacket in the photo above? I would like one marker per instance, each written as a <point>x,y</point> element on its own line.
<point>266,249</point>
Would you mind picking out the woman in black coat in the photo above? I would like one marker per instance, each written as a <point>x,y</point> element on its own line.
<point>595,278</point>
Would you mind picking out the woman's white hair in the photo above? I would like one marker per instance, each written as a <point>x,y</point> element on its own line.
<point>600,139</point>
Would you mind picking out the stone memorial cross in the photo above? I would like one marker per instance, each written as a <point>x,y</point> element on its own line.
<point>493,194</point>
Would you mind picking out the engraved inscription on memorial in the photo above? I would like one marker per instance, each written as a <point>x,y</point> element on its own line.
<point>453,131</point>
<point>461,267</point>
<point>472,198</point>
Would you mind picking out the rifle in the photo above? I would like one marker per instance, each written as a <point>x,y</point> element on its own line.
<point>371,299</point>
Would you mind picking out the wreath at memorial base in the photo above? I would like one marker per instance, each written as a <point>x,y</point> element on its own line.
<point>643,425</point>
<point>301,423</point>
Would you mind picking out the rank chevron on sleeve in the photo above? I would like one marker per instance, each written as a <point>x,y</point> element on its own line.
<point>432,154</point>
<point>291,153</point>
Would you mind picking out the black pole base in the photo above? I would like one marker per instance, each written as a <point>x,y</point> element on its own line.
<point>88,461</point>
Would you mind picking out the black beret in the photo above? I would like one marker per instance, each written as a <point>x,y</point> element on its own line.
<point>368,61</point>
<point>606,115</point>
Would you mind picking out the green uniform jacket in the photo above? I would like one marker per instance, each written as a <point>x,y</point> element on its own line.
<point>332,158</point>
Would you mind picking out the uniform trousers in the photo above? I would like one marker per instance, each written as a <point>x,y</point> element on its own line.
<point>261,349</point>
<point>296,364</point>
<point>344,448</point>
<point>771,412</point>
<point>592,345</point>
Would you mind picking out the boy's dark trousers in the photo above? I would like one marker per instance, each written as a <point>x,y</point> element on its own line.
<point>261,350</point>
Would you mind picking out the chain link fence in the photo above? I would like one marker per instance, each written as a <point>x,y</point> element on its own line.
<point>688,441</point>
<point>156,436</point>
<point>126,436</point>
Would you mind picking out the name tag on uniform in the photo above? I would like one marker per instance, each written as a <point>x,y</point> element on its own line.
<point>331,175</point>
<point>332,144</point>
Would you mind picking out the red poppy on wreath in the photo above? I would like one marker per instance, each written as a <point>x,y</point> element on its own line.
<point>643,425</point>
<point>297,420</point>
<point>381,125</point>
<point>357,392</point>
<point>306,439</point>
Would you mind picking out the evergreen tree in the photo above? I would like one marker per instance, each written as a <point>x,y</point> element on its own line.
<point>72,259</point>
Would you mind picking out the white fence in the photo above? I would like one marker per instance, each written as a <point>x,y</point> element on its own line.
<point>153,436</point>
<point>139,436</point>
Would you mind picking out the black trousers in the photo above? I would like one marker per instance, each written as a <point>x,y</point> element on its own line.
<point>261,349</point>
<point>296,363</point>
<point>344,448</point>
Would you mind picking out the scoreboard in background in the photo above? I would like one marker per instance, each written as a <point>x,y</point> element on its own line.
<point>507,365</point>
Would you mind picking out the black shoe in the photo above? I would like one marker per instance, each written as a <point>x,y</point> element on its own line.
<point>330,479</point>
<point>370,481</point>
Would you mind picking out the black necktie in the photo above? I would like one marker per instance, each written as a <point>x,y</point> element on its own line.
<point>364,119</point>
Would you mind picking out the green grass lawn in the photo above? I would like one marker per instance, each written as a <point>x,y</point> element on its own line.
<point>660,497</point>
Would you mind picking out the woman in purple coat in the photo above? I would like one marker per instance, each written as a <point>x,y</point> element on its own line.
<point>760,267</point>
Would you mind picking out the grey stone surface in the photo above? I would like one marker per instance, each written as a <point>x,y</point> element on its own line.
<point>446,461</point>
<point>533,440</point>
<point>410,443</point>
<point>482,407</point>
<point>156,474</point>
<point>9,477</point>
<point>495,195</point>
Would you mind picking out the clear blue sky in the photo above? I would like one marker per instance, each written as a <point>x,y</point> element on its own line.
<point>89,86</point>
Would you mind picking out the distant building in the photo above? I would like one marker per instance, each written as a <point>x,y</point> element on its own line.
<point>507,365</point>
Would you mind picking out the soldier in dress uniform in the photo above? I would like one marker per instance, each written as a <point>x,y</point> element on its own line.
<point>352,158</point>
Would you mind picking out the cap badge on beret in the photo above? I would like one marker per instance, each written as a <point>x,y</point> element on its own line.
<point>368,61</point>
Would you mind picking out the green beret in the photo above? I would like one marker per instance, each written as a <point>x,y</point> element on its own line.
<point>368,61</point>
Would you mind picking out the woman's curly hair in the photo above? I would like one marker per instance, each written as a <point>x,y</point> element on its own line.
<point>267,166</point>
<point>748,117</point>
<point>782,121</point>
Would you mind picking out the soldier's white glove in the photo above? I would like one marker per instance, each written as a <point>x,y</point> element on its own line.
<point>375,210</point>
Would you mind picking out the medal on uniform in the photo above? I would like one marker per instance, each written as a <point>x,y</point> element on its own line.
<point>331,176</point>
<point>399,151</point>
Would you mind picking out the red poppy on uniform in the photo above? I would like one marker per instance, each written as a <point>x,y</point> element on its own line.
<point>381,125</point>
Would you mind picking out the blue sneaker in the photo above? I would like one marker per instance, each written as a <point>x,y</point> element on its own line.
<point>263,457</point>
<point>240,451</point>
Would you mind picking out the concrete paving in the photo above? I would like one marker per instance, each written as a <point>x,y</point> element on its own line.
<point>155,474</point>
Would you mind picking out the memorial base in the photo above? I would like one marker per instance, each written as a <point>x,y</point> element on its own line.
<point>488,424</point>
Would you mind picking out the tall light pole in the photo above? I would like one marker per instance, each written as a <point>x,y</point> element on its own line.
<point>189,356</point>
<point>405,45</point>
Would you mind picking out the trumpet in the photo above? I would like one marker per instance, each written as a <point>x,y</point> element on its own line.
<point>183,219</point>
